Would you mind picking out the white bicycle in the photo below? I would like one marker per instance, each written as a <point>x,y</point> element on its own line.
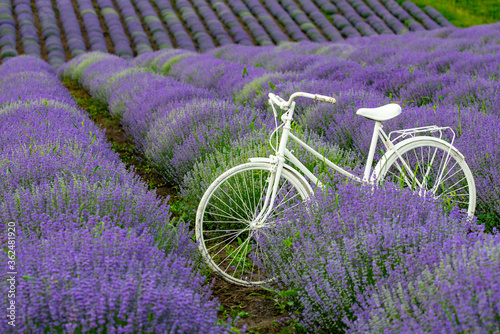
<point>243,202</point>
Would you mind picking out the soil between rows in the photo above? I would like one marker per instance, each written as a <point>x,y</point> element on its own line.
<point>255,307</point>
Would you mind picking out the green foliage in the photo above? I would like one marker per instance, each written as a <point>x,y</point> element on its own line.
<point>464,13</point>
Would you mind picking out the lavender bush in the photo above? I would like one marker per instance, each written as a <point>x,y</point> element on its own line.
<point>292,29</point>
<point>28,31</point>
<point>267,21</point>
<point>159,33</point>
<point>388,18</point>
<point>437,17</point>
<point>304,23</point>
<point>351,238</point>
<point>79,210</point>
<point>186,134</point>
<point>74,38</point>
<point>239,34</point>
<point>51,33</point>
<point>92,26</point>
<point>181,36</point>
<point>198,31</point>
<point>457,293</point>
<point>107,280</point>
<point>120,40</point>
<point>214,26</point>
<point>258,32</point>
<point>134,26</point>
<point>7,31</point>
<point>320,20</point>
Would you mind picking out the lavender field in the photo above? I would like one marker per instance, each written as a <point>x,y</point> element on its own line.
<point>60,30</point>
<point>91,246</point>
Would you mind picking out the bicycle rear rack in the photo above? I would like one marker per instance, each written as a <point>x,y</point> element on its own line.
<point>433,130</point>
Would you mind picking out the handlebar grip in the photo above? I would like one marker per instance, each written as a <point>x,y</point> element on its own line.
<point>325,98</point>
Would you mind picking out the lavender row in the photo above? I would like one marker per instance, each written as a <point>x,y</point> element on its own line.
<point>326,7</point>
<point>239,34</point>
<point>174,127</point>
<point>320,20</point>
<point>370,17</point>
<point>193,22</point>
<point>420,15</point>
<point>353,17</point>
<point>215,27</point>
<point>78,210</point>
<point>120,40</point>
<point>51,33</point>
<point>92,26</point>
<point>7,30</point>
<point>28,31</point>
<point>74,38</point>
<point>303,21</point>
<point>284,19</point>
<point>345,26</point>
<point>134,26</point>
<point>402,15</point>
<point>267,21</point>
<point>258,32</point>
<point>159,33</point>
<point>389,19</point>
<point>169,16</point>
<point>438,17</point>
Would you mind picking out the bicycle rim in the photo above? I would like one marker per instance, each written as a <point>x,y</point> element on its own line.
<point>230,239</point>
<point>432,168</point>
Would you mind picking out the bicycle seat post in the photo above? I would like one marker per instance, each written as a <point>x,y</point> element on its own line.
<point>371,153</point>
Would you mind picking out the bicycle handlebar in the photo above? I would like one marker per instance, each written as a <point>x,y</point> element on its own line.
<point>284,104</point>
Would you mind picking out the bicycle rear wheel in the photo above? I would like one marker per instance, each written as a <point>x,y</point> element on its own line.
<point>229,235</point>
<point>431,167</point>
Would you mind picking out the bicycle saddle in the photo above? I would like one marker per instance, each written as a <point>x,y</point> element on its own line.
<point>382,113</point>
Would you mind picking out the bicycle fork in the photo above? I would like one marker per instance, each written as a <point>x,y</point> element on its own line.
<point>278,163</point>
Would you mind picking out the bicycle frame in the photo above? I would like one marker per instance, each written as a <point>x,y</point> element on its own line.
<point>282,152</point>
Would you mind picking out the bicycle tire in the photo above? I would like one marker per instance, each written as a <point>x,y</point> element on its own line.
<point>226,215</point>
<point>453,185</point>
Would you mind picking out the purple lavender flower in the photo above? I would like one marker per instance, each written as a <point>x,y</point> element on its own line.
<point>51,33</point>
<point>193,22</point>
<point>438,17</point>
<point>74,38</point>
<point>348,239</point>
<point>7,30</point>
<point>215,27</point>
<point>111,280</point>
<point>266,20</point>
<point>182,39</point>
<point>301,18</point>
<point>251,22</point>
<point>292,29</point>
<point>320,20</point>
<point>28,31</point>
<point>92,26</point>
<point>459,292</point>
<point>420,15</point>
<point>134,26</point>
<point>160,34</point>
<point>239,34</point>
<point>116,30</point>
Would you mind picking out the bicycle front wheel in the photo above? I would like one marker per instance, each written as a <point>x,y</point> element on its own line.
<point>432,167</point>
<point>229,234</point>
